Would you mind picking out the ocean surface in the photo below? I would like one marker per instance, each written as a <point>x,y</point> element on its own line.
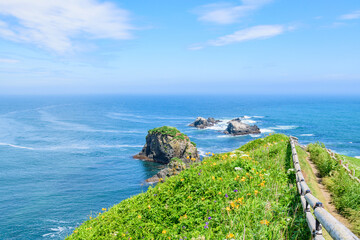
<point>65,158</point>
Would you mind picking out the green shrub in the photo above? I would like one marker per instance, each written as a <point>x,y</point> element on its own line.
<point>171,131</point>
<point>322,159</point>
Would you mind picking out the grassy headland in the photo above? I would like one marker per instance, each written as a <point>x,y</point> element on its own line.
<point>248,193</point>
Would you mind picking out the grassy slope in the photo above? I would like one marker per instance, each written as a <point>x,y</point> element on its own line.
<point>354,163</point>
<point>212,200</point>
<point>345,191</point>
<point>311,180</point>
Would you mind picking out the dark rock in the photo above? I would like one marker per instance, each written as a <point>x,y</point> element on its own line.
<point>173,168</point>
<point>236,127</point>
<point>202,123</point>
<point>167,143</point>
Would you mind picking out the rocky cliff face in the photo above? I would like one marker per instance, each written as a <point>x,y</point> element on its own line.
<point>236,127</point>
<point>202,123</point>
<point>166,143</point>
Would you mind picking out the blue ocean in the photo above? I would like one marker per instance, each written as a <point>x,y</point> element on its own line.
<point>63,158</point>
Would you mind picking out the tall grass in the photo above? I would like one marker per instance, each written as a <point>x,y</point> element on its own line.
<point>322,159</point>
<point>345,191</point>
<point>245,194</point>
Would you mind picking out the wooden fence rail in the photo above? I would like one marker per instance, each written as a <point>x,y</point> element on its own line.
<point>345,166</point>
<point>320,217</point>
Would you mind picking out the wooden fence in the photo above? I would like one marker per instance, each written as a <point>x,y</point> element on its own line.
<point>319,217</point>
<point>345,166</point>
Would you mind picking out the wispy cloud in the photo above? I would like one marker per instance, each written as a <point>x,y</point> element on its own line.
<point>256,32</point>
<point>351,16</point>
<point>56,24</point>
<point>8,60</point>
<point>221,13</point>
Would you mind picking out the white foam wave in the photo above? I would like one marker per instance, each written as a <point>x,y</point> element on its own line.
<point>16,146</point>
<point>288,127</point>
<point>248,121</point>
<point>120,146</point>
<point>357,157</point>
<point>63,125</point>
<point>55,232</point>
<point>220,126</point>
<point>255,135</point>
<point>201,152</point>
<point>230,136</point>
<point>307,135</point>
<point>258,116</point>
<point>64,147</point>
<point>126,117</point>
<point>266,130</point>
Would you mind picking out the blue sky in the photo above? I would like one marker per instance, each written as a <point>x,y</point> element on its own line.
<point>179,47</point>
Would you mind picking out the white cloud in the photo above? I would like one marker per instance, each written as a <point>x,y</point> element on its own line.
<point>256,32</point>
<point>55,24</point>
<point>350,16</point>
<point>8,60</point>
<point>226,13</point>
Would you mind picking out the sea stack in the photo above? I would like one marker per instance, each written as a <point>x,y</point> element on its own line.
<point>202,123</point>
<point>167,145</point>
<point>236,127</point>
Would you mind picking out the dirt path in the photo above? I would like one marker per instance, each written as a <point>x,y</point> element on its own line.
<point>325,196</point>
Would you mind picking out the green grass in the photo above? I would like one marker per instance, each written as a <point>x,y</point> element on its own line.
<point>171,131</point>
<point>322,159</point>
<point>354,163</point>
<point>345,191</point>
<point>310,177</point>
<point>245,194</point>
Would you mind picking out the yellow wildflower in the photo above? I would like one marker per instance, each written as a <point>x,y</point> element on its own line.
<point>182,179</point>
<point>213,178</point>
<point>203,198</point>
<point>164,231</point>
<point>187,157</point>
<point>230,235</point>
<point>256,192</point>
<point>214,163</point>
<point>104,209</point>
<point>219,193</point>
<point>189,197</point>
<point>228,208</point>
<point>139,217</point>
<point>264,222</point>
<point>149,207</point>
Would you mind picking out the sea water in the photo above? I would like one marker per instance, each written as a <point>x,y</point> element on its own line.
<point>65,158</point>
